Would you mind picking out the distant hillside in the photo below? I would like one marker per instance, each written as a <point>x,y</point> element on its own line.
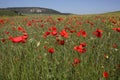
<point>32,10</point>
<point>112,13</point>
<point>115,12</point>
<point>8,13</point>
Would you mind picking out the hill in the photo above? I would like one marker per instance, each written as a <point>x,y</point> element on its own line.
<point>8,13</point>
<point>117,13</point>
<point>32,10</point>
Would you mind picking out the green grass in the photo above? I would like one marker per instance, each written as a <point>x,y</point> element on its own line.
<point>7,13</point>
<point>30,61</point>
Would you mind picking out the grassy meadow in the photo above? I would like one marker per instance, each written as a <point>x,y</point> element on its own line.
<point>58,47</point>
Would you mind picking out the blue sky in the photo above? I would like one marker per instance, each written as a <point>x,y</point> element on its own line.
<point>67,6</point>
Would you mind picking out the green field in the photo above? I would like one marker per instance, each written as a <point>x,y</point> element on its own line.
<point>58,47</point>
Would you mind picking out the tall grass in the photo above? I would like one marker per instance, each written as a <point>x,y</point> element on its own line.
<point>32,61</point>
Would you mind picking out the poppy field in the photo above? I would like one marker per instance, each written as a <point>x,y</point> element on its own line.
<point>58,47</point>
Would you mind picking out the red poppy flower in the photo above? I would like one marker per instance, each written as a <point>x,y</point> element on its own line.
<point>7,32</point>
<point>103,20</point>
<point>45,47</point>
<point>2,21</point>
<point>83,44</point>
<point>29,23</point>
<point>19,39</point>
<point>63,33</point>
<point>54,32</point>
<point>60,42</point>
<point>98,33</point>
<point>105,74</point>
<point>79,23</point>
<point>80,48</point>
<point>21,29</point>
<point>52,28</point>
<point>46,34</point>
<point>42,25</point>
<point>116,29</point>
<point>72,31</point>
<point>51,50</point>
<point>76,61</point>
<point>25,35</point>
<point>92,23</point>
<point>82,32</point>
<point>114,45</point>
<point>60,19</point>
<point>114,21</point>
<point>3,40</point>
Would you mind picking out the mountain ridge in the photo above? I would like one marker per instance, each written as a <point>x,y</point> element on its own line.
<point>33,10</point>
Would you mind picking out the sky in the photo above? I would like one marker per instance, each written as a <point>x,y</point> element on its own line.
<point>67,6</point>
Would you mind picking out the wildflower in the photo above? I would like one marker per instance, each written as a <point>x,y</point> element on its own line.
<point>42,25</point>
<point>46,34</point>
<point>29,23</point>
<point>76,61</point>
<point>79,23</point>
<point>7,32</point>
<point>83,44</point>
<point>114,45</point>
<point>19,38</point>
<point>51,50</point>
<point>98,33</point>
<point>60,19</point>
<point>72,31</point>
<point>53,30</point>
<point>3,40</point>
<point>45,47</point>
<point>21,29</point>
<point>81,32</point>
<point>80,48</point>
<point>63,33</point>
<point>25,35</point>
<point>116,29</point>
<point>114,21</point>
<point>84,34</point>
<point>105,74</point>
<point>2,21</point>
<point>60,42</point>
